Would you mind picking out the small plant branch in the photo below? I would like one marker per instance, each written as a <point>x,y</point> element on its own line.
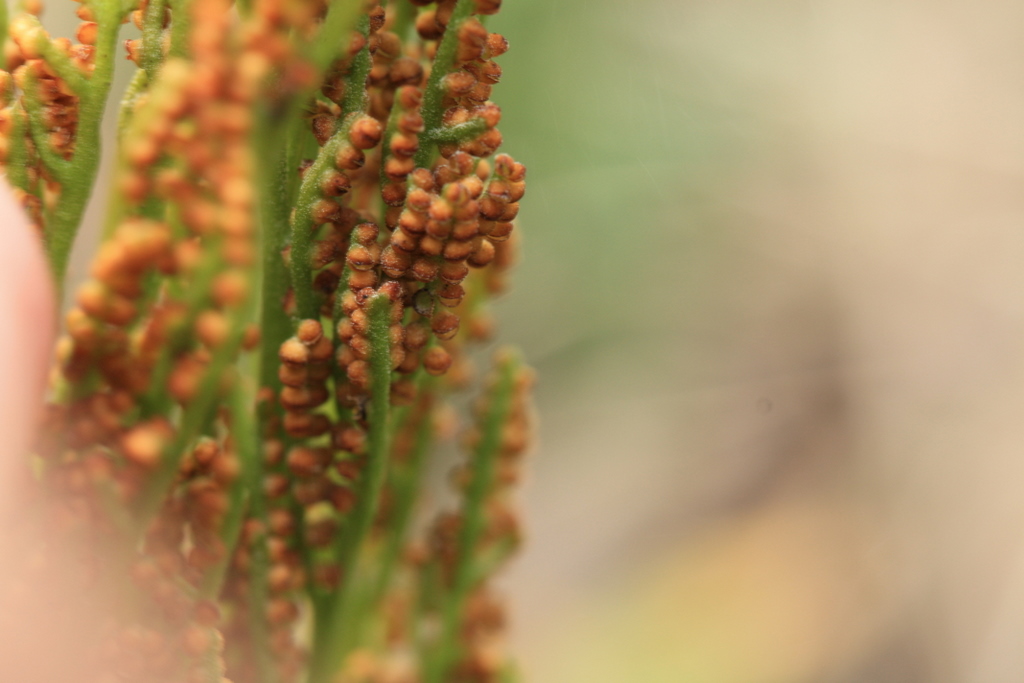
<point>482,469</point>
<point>434,91</point>
<point>329,641</point>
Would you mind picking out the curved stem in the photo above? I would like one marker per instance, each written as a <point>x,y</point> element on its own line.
<point>433,95</point>
<point>482,464</point>
<point>59,234</point>
<point>153,37</point>
<point>304,224</point>
<point>330,643</point>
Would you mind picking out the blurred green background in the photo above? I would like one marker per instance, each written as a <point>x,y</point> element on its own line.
<point>772,285</point>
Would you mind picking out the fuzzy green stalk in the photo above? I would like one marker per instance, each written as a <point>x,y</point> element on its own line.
<point>303,224</point>
<point>181,25</point>
<point>482,466</point>
<point>433,95</point>
<point>78,177</point>
<point>247,450</point>
<point>153,37</point>
<point>274,216</point>
<point>331,643</point>
<point>405,482</point>
<point>195,416</point>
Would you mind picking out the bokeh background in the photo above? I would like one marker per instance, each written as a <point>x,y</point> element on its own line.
<point>773,286</point>
<point>772,283</point>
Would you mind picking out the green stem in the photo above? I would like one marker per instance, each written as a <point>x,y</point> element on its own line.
<point>3,34</point>
<point>474,521</point>
<point>460,132</point>
<point>79,177</point>
<point>405,484</point>
<point>274,215</point>
<point>195,416</point>
<point>433,95</point>
<point>17,157</point>
<point>330,642</point>
<point>181,22</point>
<point>303,224</point>
<point>342,17</point>
<point>153,37</point>
<point>243,433</point>
<point>405,19</point>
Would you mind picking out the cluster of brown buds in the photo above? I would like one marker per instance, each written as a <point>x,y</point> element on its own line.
<point>310,215</point>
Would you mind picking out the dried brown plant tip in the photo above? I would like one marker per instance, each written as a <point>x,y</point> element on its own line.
<point>304,236</point>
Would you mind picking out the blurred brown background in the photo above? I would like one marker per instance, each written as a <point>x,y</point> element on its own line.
<point>772,284</point>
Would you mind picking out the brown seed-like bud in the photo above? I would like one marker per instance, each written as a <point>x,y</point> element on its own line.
<point>87,32</point>
<point>325,211</point>
<point>294,352</point>
<point>360,279</point>
<point>365,133</point>
<point>437,360</point>
<point>359,373</point>
<point>230,288</point>
<point>492,207</point>
<point>403,241</point>
<point>457,251</point>
<point>212,328</point>
<point>472,40</point>
<point>413,222</point>
<point>445,324</point>
<point>250,337</point>
<point>323,126</point>
<point>424,269</point>
<point>459,83</point>
<point>497,44</point>
<point>510,212</point>
<point>423,179</point>
<point>134,49</point>
<point>450,295</point>
<point>431,245</point>
<point>320,352</point>
<point>427,25</point>
<point>353,440</point>
<point>483,255</point>
<point>334,183</point>
<point>397,168</point>
<point>453,272</point>
<point>423,303</point>
<point>304,462</point>
<point>500,232</point>
<point>394,263</point>
<point>365,233</point>
<point>281,611</point>
<point>145,443</point>
<point>273,452</point>
<point>406,72</point>
<point>393,193</point>
<point>416,335</point>
<point>440,210</point>
<point>361,347</point>
<point>465,230</point>
<point>293,375</point>
<point>309,332</point>
<point>349,158</point>
<point>360,258</point>
<point>392,290</point>
<point>298,425</point>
